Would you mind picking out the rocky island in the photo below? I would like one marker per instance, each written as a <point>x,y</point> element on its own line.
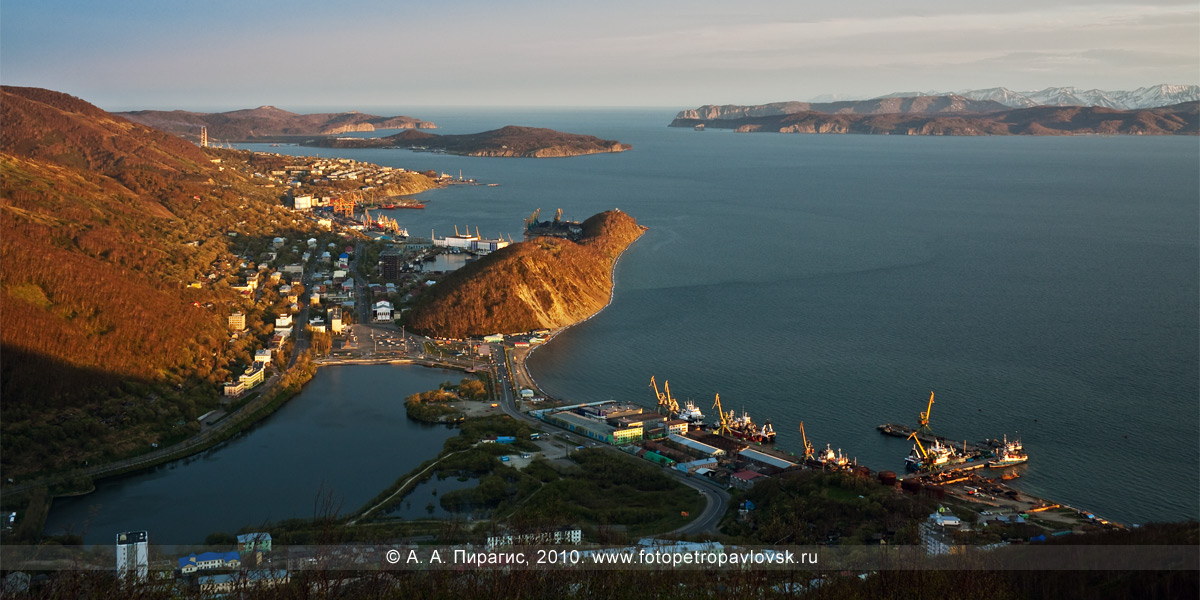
<point>544,283</point>
<point>943,115</point>
<point>266,123</point>
<point>510,141</point>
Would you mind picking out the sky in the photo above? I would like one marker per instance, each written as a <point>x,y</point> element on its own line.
<point>224,54</point>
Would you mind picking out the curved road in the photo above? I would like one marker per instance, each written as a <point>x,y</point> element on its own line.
<point>717,498</point>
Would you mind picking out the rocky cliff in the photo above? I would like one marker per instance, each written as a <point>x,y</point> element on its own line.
<point>1180,119</point>
<point>544,283</point>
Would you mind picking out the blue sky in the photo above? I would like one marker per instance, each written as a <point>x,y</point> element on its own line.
<point>221,54</point>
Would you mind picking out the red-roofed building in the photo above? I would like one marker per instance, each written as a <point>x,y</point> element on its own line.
<point>744,480</point>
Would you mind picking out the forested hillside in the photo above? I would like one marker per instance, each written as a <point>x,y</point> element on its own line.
<point>106,227</point>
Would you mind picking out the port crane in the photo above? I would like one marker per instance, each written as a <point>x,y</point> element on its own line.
<point>923,418</point>
<point>809,453</point>
<point>532,221</point>
<point>665,400</point>
<point>913,436</point>
<point>725,419</point>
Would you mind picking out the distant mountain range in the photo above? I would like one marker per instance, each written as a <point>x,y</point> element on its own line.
<point>968,101</point>
<point>1143,97</point>
<point>255,124</point>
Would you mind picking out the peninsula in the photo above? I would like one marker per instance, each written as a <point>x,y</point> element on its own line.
<point>510,141</point>
<point>943,115</point>
<point>544,283</point>
<point>266,123</point>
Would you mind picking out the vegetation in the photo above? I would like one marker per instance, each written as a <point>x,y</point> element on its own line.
<point>933,119</point>
<point>540,284</point>
<point>510,141</point>
<point>812,507</point>
<point>265,122</point>
<point>119,258</point>
<point>431,406</point>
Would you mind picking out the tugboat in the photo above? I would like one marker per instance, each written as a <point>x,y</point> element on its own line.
<point>1011,453</point>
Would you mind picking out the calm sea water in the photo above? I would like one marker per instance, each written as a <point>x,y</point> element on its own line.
<point>1045,288</point>
<point>334,447</point>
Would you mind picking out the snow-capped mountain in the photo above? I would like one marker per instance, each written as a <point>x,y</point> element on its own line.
<point>1145,97</point>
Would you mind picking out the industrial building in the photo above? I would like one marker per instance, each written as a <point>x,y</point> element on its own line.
<point>597,420</point>
<point>700,447</point>
<point>766,460</point>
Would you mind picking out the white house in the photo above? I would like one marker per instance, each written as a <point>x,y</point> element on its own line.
<point>383,310</point>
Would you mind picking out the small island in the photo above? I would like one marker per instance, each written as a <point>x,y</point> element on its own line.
<point>511,141</point>
<point>544,283</point>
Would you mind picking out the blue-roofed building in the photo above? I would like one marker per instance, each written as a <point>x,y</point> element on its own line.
<point>209,560</point>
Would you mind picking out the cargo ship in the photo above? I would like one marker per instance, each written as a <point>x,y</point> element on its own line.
<point>1011,453</point>
<point>830,460</point>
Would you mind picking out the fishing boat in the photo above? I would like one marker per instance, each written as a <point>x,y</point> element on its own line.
<point>690,413</point>
<point>1011,453</point>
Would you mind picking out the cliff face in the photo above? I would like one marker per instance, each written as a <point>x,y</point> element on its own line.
<point>544,283</point>
<point>1180,119</point>
<point>912,105</point>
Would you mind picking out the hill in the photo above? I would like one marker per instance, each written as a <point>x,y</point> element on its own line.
<point>544,283</point>
<point>104,224</point>
<point>266,122</point>
<point>1179,119</point>
<point>877,106</point>
<point>510,141</point>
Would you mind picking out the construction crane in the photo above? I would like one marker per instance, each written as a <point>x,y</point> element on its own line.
<point>724,429</point>
<point>809,453</point>
<point>923,418</point>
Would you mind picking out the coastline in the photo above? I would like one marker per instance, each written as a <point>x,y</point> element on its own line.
<point>612,292</point>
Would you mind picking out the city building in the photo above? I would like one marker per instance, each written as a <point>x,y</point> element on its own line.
<point>382,310</point>
<point>209,560</point>
<point>224,584</point>
<point>254,542</point>
<point>133,555</point>
<point>262,356</point>
<point>237,321</point>
<point>335,319</point>
<point>756,457</point>
<point>391,260</point>
<point>253,375</point>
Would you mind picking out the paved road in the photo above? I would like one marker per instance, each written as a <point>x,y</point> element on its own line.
<point>717,498</point>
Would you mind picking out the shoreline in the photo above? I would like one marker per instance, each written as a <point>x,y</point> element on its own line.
<point>612,293</point>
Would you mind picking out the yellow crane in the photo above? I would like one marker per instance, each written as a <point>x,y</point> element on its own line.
<point>672,405</point>
<point>913,436</point>
<point>664,399</point>
<point>923,418</point>
<point>808,449</point>
<point>724,418</point>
